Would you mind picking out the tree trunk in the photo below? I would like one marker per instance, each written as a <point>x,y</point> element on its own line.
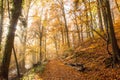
<point>66,27</point>
<point>105,19</point>
<point>115,48</point>
<point>56,44</point>
<point>62,33</point>
<point>100,17</point>
<point>81,29</point>
<point>78,31</point>
<point>17,5</point>
<point>45,44</point>
<point>41,35</point>
<point>91,20</point>
<point>73,40</point>
<point>103,10</point>
<point>82,39</point>
<point>16,61</point>
<point>87,23</point>
<point>24,20</point>
<point>1,20</point>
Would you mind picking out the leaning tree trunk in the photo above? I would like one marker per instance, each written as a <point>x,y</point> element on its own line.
<point>16,11</point>
<point>115,48</point>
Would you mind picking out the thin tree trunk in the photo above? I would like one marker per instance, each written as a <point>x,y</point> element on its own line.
<point>45,44</point>
<point>66,27</point>
<point>78,31</point>
<point>1,20</point>
<point>41,35</point>
<point>81,27</point>
<point>62,33</point>
<point>82,39</point>
<point>100,17</point>
<point>56,44</point>
<point>103,10</point>
<point>91,20</point>
<point>17,66</point>
<point>73,40</point>
<point>66,30</point>
<point>87,23</point>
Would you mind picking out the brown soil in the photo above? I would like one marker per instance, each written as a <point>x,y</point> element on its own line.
<point>56,70</point>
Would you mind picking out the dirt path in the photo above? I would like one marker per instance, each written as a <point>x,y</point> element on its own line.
<point>56,70</point>
<point>92,59</point>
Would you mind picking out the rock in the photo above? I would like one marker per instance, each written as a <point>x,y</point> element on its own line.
<point>77,66</point>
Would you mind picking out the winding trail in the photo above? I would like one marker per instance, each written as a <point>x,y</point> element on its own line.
<point>56,70</point>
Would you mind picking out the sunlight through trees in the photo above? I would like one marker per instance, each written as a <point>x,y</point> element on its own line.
<point>32,32</point>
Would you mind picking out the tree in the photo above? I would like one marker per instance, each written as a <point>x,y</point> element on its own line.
<point>16,61</point>
<point>1,20</point>
<point>77,26</point>
<point>38,30</point>
<point>16,11</point>
<point>100,17</point>
<point>87,22</point>
<point>115,48</point>
<point>24,20</point>
<point>40,38</point>
<point>61,3</point>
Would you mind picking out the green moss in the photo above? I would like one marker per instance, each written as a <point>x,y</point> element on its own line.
<point>34,71</point>
<point>40,69</point>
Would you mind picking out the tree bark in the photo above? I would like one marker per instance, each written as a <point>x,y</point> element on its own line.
<point>1,20</point>
<point>115,48</point>
<point>16,61</point>
<point>17,6</point>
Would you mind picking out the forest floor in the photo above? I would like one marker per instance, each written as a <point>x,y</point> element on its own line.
<point>91,55</point>
<point>57,70</point>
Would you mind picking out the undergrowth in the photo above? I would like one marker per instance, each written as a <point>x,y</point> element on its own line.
<point>34,72</point>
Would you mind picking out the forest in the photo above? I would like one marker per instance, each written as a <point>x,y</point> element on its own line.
<point>59,39</point>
